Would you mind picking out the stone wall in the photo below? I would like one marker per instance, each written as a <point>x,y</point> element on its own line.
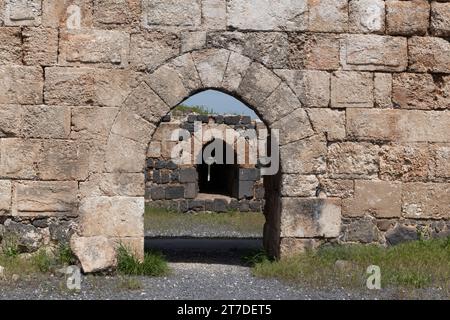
<point>176,185</point>
<point>359,90</point>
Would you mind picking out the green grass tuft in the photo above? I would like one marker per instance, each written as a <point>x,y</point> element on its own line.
<point>417,264</point>
<point>154,264</point>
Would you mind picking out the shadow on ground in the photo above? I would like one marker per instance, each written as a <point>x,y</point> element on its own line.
<point>205,250</point>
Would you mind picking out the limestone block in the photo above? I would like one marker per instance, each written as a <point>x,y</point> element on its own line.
<point>125,155</point>
<point>23,12</point>
<point>268,48</point>
<point>40,46</point>
<point>39,198</point>
<point>10,120</point>
<point>112,216</point>
<point>193,40</point>
<point>328,15</point>
<point>116,12</point>
<point>362,230</point>
<point>130,125</point>
<point>187,13</point>
<point>149,49</point>
<point>405,162</point>
<point>113,184</point>
<point>348,160</point>
<point>377,198</point>
<point>429,54</point>
<point>420,91</point>
<point>337,188</point>
<point>88,86</point>
<point>407,17</point>
<point>383,90</point>
<point>214,14</point>
<point>21,85</point>
<point>352,90</point>
<point>268,15</point>
<point>440,167</point>
<point>19,158</point>
<point>101,48</point>
<point>306,156</point>
<point>64,13</point>
<point>293,246</point>
<point>426,200</point>
<point>367,16</point>
<point>296,185</point>
<point>308,218</point>
<point>312,87</point>
<point>440,19</point>
<point>293,127</point>
<point>398,125</point>
<point>10,45</point>
<point>236,69</point>
<point>281,103</point>
<point>63,160</point>
<point>211,65</point>
<point>92,123</point>
<point>5,196</point>
<point>95,253</point>
<point>374,53</point>
<point>45,122</point>
<point>314,51</point>
<point>331,122</point>
<point>258,84</point>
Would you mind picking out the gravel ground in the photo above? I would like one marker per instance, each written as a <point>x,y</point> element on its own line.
<point>200,275</point>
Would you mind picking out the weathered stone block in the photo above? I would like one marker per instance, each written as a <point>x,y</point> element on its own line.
<point>103,48</point>
<point>211,65</point>
<point>383,90</point>
<point>308,218</point>
<point>407,17</point>
<point>296,185</point>
<point>40,46</point>
<point>352,90</point>
<point>190,190</point>
<point>311,87</point>
<point>214,14</point>
<point>188,175</point>
<point>377,198</point>
<point>337,188</point>
<point>440,19</point>
<point>130,125</point>
<point>5,196</point>
<point>401,233</point>
<point>28,239</point>
<point>161,13</point>
<point>405,162</point>
<point>440,154</point>
<point>158,193</point>
<point>113,184</point>
<point>331,122</point>
<point>374,53</point>
<point>429,54</point>
<point>362,230</point>
<point>92,123</point>
<point>293,127</point>
<point>306,156</point>
<point>21,85</point>
<point>124,155</point>
<point>193,40</point>
<point>282,15</point>
<point>116,12</point>
<point>88,86</point>
<point>19,158</point>
<point>45,198</point>
<point>367,16</point>
<point>328,15</point>
<point>23,12</point>
<point>420,91</point>
<point>148,50</point>
<point>426,200</point>
<point>64,13</point>
<point>10,45</point>
<point>249,174</point>
<point>353,160</point>
<point>95,253</point>
<point>293,246</point>
<point>314,51</point>
<point>112,216</point>
<point>258,84</point>
<point>398,125</point>
<point>268,48</point>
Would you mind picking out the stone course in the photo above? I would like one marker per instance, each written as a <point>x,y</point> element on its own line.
<point>359,90</point>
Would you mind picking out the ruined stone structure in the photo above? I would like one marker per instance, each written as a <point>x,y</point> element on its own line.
<point>359,90</point>
<point>195,185</point>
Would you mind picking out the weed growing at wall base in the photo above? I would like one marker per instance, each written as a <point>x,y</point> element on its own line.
<point>153,265</point>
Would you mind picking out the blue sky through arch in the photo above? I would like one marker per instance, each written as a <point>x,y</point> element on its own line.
<point>220,102</point>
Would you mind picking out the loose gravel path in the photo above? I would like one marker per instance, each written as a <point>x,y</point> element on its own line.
<point>200,275</point>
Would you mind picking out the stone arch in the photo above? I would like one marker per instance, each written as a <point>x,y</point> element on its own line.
<point>302,150</point>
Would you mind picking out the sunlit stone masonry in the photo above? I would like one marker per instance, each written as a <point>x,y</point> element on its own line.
<point>358,89</point>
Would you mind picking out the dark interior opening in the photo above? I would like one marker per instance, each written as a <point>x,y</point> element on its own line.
<point>223,178</point>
